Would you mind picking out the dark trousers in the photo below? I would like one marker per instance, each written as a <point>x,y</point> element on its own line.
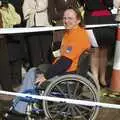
<point>15,71</point>
<point>39,47</point>
<point>5,80</point>
<point>15,53</point>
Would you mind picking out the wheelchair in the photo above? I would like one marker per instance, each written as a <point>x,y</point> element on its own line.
<point>78,86</point>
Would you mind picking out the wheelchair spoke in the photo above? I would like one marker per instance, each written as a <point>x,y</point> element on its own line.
<point>69,90</point>
<point>73,111</point>
<point>60,113</point>
<point>76,89</point>
<point>55,105</point>
<point>82,114</point>
<point>60,90</point>
<point>84,108</point>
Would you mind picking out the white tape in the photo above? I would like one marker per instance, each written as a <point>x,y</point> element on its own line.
<point>70,101</point>
<point>27,30</point>
<point>40,29</point>
<point>116,64</point>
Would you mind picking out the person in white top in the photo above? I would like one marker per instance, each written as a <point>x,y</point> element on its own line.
<point>35,14</point>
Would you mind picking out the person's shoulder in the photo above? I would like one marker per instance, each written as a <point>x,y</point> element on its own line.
<point>11,6</point>
<point>81,29</point>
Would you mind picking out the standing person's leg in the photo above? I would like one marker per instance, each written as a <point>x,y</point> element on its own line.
<point>34,49</point>
<point>46,39</point>
<point>103,62</point>
<point>95,63</point>
<point>5,79</point>
<point>16,74</point>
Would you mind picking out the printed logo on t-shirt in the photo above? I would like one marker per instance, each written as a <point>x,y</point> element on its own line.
<point>69,49</point>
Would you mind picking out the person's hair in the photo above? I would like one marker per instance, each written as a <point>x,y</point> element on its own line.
<point>78,15</point>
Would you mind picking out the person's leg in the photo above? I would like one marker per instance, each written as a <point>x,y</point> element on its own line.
<point>103,62</point>
<point>15,69</point>
<point>5,80</point>
<point>28,83</point>
<point>46,39</point>
<point>95,63</point>
<point>35,55</point>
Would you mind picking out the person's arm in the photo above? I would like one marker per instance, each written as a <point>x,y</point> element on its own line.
<point>58,68</point>
<point>1,22</point>
<point>26,9</point>
<point>15,16</point>
<point>41,5</point>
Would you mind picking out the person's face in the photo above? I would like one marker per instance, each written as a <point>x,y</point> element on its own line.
<point>70,20</point>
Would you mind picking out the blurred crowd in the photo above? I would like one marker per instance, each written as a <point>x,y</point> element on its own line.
<point>32,49</point>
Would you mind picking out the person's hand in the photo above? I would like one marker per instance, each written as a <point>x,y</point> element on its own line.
<point>40,79</point>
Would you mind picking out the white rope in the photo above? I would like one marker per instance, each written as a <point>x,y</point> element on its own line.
<point>56,99</point>
<point>50,28</point>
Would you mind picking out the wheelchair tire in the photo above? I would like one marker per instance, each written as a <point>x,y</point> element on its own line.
<point>71,86</point>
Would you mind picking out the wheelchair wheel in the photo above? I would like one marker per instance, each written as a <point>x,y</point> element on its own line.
<point>71,87</point>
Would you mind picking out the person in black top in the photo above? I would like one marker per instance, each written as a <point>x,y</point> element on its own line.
<point>99,12</point>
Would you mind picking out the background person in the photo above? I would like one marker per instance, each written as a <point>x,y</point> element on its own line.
<point>100,13</point>
<point>11,18</point>
<point>5,80</point>
<point>75,42</point>
<point>39,43</point>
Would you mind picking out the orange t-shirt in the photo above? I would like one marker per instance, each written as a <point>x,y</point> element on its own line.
<point>74,43</point>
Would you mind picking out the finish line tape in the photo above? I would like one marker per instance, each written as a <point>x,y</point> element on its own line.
<point>50,28</point>
<point>56,99</point>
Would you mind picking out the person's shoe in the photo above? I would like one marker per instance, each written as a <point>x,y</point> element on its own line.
<point>114,95</point>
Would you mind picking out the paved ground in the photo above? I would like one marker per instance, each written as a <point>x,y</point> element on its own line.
<point>109,114</point>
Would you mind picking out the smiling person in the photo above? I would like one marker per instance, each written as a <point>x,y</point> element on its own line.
<point>55,14</point>
<point>75,42</point>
